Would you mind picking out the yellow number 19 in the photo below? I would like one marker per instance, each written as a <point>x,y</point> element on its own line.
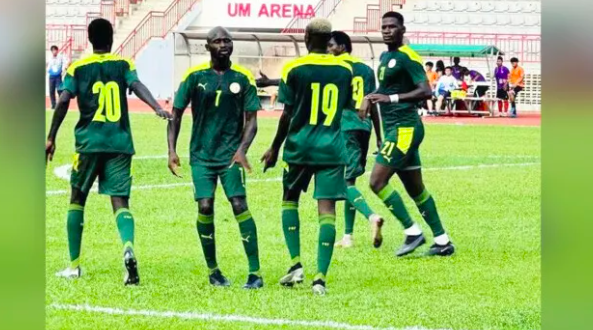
<point>109,108</point>
<point>329,103</point>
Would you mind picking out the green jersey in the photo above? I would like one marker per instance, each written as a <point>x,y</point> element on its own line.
<point>99,82</point>
<point>399,72</point>
<point>363,82</point>
<point>318,87</point>
<point>218,104</point>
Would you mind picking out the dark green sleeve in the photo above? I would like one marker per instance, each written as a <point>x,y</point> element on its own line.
<point>285,91</point>
<point>183,96</point>
<point>70,84</point>
<point>416,71</point>
<point>131,76</point>
<point>369,82</point>
<point>250,98</point>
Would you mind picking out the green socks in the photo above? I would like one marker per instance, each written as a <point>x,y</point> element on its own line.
<point>428,209</point>
<point>349,215</point>
<point>354,202</point>
<point>327,237</point>
<point>396,205</point>
<point>290,226</point>
<point>249,238</point>
<point>205,226</point>
<point>125,225</point>
<point>74,227</point>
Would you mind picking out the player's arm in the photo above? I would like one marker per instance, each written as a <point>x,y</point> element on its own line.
<point>271,156</point>
<point>287,97</point>
<point>58,117</point>
<point>264,81</point>
<point>182,99</point>
<point>251,105</point>
<point>142,92</point>
<point>376,119</point>
<point>421,92</point>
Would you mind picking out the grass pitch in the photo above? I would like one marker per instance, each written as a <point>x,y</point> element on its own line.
<point>485,180</point>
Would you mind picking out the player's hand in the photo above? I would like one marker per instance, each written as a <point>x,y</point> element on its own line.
<point>269,159</point>
<point>264,80</point>
<point>50,149</point>
<point>163,114</point>
<point>174,164</point>
<point>365,109</point>
<point>378,98</point>
<point>241,159</point>
<point>379,144</point>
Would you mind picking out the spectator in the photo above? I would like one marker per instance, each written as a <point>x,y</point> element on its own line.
<point>456,68</point>
<point>516,84</point>
<point>56,65</point>
<point>432,80</point>
<point>440,68</point>
<point>501,74</point>
<point>470,77</point>
<point>445,85</point>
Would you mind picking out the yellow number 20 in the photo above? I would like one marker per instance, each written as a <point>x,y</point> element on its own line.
<point>329,103</point>
<point>109,108</point>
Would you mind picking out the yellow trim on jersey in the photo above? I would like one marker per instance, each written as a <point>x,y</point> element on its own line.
<point>350,58</point>
<point>314,59</point>
<point>98,58</point>
<point>199,67</point>
<point>411,54</point>
<point>243,70</point>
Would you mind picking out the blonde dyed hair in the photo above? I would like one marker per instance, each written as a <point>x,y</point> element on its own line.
<point>319,25</point>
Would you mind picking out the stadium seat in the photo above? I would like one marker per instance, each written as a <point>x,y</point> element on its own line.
<point>503,20</point>
<point>501,7</point>
<point>487,7</point>
<point>460,6</point>
<point>461,19</point>
<point>517,20</point>
<point>419,6</point>
<point>473,7</point>
<point>435,19</point>
<point>489,20</point>
<point>515,7</point>
<point>446,6</point>
<point>538,7</point>
<point>448,20</point>
<point>476,20</point>
<point>433,6</point>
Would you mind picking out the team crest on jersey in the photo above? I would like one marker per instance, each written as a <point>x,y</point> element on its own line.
<point>392,63</point>
<point>235,88</point>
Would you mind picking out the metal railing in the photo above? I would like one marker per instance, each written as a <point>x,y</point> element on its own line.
<point>156,24</point>
<point>323,9</point>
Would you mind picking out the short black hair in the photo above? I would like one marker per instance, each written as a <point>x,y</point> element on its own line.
<point>514,60</point>
<point>499,58</point>
<point>430,64</point>
<point>101,33</point>
<point>342,38</point>
<point>456,59</point>
<point>54,47</point>
<point>396,15</point>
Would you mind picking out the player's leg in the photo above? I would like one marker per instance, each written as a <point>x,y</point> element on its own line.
<point>412,180</point>
<point>233,183</point>
<point>295,179</point>
<point>512,97</point>
<point>357,144</point>
<point>330,187</point>
<point>52,91</point>
<point>399,145</point>
<point>115,180</point>
<point>204,179</point>
<point>84,173</point>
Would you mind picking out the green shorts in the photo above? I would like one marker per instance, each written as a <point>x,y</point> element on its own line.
<point>205,179</point>
<point>329,180</point>
<point>357,146</point>
<point>400,150</point>
<point>114,172</point>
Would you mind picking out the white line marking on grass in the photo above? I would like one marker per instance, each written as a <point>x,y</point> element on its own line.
<point>188,184</point>
<point>225,318</point>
